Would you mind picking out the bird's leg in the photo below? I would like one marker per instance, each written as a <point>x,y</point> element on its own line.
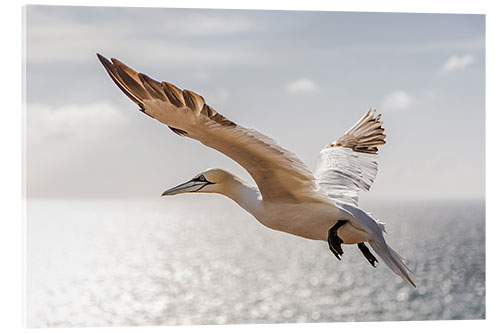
<point>368,255</point>
<point>334,240</point>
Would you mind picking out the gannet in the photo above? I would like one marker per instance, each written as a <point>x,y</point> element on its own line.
<point>288,197</point>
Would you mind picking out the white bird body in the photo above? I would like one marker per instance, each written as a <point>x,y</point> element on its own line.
<point>288,197</point>
<point>310,220</point>
<point>306,219</point>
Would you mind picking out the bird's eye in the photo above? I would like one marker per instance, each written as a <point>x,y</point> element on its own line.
<point>202,178</point>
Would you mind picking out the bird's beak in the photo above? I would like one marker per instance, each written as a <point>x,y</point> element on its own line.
<point>187,187</point>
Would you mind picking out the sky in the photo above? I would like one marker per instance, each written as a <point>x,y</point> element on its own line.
<point>300,77</point>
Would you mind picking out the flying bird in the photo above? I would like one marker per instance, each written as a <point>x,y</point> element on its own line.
<point>288,197</point>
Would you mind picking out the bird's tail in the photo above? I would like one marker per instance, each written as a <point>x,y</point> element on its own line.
<point>392,259</point>
<point>366,221</point>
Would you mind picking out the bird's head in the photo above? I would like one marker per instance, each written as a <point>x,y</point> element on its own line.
<point>210,181</point>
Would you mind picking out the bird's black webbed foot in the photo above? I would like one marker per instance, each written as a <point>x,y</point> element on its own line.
<point>334,240</point>
<point>368,255</point>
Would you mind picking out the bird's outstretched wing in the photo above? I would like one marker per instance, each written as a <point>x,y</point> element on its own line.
<point>349,164</point>
<point>279,174</point>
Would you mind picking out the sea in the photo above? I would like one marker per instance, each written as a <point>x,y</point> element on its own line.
<point>192,260</point>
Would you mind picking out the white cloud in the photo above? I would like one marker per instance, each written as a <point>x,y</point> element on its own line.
<point>70,121</point>
<point>301,85</point>
<point>457,62</point>
<point>80,50</point>
<point>54,38</point>
<point>397,100</point>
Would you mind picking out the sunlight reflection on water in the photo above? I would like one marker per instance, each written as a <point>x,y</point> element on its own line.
<point>160,262</point>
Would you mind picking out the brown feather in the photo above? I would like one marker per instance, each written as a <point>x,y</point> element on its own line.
<point>133,74</point>
<point>135,88</point>
<point>172,90</point>
<point>196,100</point>
<point>364,136</point>
<point>207,111</point>
<point>178,131</point>
<point>111,69</point>
<point>139,87</point>
<point>153,87</point>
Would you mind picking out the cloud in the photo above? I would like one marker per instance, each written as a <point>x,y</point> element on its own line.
<point>397,100</point>
<point>68,49</point>
<point>45,122</point>
<point>405,48</point>
<point>456,63</point>
<point>169,36</point>
<point>301,85</point>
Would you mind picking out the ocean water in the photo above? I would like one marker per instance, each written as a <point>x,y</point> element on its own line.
<point>202,260</point>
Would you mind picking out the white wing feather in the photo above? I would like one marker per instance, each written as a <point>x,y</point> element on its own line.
<point>342,173</point>
<point>349,164</point>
